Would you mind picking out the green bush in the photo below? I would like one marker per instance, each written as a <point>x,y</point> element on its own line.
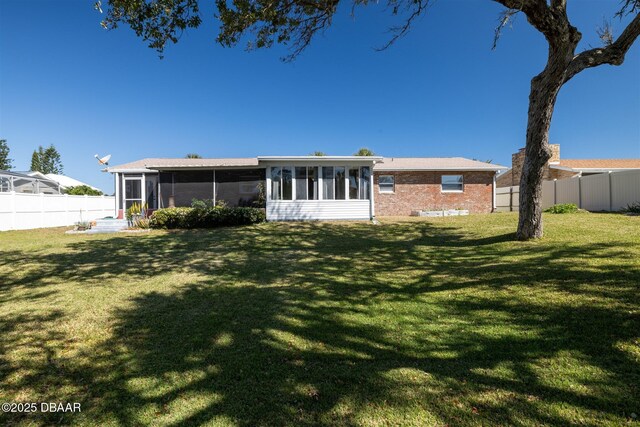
<point>632,208</point>
<point>209,217</point>
<point>82,190</point>
<point>563,208</point>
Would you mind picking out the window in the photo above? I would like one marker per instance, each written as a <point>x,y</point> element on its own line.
<point>276,183</point>
<point>365,182</point>
<point>387,184</point>
<point>452,183</point>
<point>354,183</point>
<point>340,182</point>
<point>327,183</point>
<point>306,183</point>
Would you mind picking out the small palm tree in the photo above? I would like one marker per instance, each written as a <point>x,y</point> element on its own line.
<point>364,152</point>
<point>193,156</point>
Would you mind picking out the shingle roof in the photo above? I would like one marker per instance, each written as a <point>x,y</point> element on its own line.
<point>434,163</point>
<point>154,163</point>
<point>579,164</point>
<point>388,164</point>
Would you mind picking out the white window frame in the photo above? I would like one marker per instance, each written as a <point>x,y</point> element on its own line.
<point>385,190</point>
<point>442,190</point>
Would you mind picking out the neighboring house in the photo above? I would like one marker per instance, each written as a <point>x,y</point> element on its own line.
<point>558,168</point>
<point>311,187</point>
<point>64,181</point>
<point>25,183</point>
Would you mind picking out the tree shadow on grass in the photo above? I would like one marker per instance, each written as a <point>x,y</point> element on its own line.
<point>316,324</point>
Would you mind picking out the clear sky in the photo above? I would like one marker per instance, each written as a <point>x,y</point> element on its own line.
<point>440,91</point>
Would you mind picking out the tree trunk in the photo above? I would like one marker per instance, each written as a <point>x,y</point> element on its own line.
<point>537,153</point>
<point>542,100</point>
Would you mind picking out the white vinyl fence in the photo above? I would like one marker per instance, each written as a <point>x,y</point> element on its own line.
<point>21,211</point>
<point>611,191</point>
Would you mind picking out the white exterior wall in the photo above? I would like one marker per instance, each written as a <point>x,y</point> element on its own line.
<point>22,211</point>
<point>298,210</point>
<point>301,210</point>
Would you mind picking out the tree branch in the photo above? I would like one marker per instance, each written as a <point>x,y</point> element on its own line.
<point>613,54</point>
<point>541,16</point>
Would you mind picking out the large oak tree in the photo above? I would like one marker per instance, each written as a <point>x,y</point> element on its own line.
<point>295,22</point>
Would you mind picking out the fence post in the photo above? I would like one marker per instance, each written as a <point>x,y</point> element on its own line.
<point>41,210</point>
<point>511,198</point>
<point>13,210</point>
<point>580,192</point>
<point>610,193</point>
<point>555,192</point>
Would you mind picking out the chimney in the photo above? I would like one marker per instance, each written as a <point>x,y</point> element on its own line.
<point>517,163</point>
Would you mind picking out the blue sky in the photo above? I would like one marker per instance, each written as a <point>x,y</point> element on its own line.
<point>440,91</point>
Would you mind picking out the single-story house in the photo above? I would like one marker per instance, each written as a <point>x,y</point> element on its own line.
<point>311,187</point>
<point>557,168</point>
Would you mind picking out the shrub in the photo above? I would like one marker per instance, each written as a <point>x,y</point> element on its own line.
<point>563,208</point>
<point>632,208</point>
<point>82,190</point>
<point>201,203</point>
<point>209,217</point>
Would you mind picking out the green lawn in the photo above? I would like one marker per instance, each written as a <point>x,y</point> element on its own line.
<point>412,322</point>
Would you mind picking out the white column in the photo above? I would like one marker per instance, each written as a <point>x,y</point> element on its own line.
<point>320,184</point>
<point>493,202</point>
<point>117,193</point>
<point>372,208</point>
<point>143,192</point>
<point>293,182</point>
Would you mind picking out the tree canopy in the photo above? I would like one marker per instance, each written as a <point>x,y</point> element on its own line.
<point>193,156</point>
<point>296,22</point>
<point>5,161</point>
<point>364,152</point>
<point>46,160</point>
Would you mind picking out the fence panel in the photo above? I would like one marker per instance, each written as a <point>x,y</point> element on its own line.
<point>625,189</point>
<point>21,211</point>
<point>600,192</point>
<point>594,192</point>
<point>548,194</point>
<point>568,191</point>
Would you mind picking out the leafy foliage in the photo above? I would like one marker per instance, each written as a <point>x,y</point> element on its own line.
<point>46,160</point>
<point>136,209</point>
<point>82,190</point>
<point>632,208</point>
<point>364,152</point>
<point>292,23</point>
<point>5,161</point>
<point>201,203</point>
<point>156,21</point>
<point>193,156</point>
<point>208,217</point>
<point>562,208</point>
<point>318,153</point>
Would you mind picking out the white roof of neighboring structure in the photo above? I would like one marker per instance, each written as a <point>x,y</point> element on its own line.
<point>67,181</point>
<point>435,164</point>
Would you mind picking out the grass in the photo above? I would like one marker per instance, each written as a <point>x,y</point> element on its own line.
<point>447,321</point>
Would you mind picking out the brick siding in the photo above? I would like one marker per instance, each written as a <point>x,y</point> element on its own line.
<point>422,190</point>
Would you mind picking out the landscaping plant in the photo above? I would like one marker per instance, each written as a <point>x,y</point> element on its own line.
<point>562,208</point>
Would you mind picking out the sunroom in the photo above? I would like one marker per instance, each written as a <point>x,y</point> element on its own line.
<point>319,187</point>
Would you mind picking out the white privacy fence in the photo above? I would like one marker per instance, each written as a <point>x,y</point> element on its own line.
<point>611,191</point>
<point>21,211</point>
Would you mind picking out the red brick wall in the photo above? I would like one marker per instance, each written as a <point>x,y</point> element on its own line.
<point>421,190</point>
